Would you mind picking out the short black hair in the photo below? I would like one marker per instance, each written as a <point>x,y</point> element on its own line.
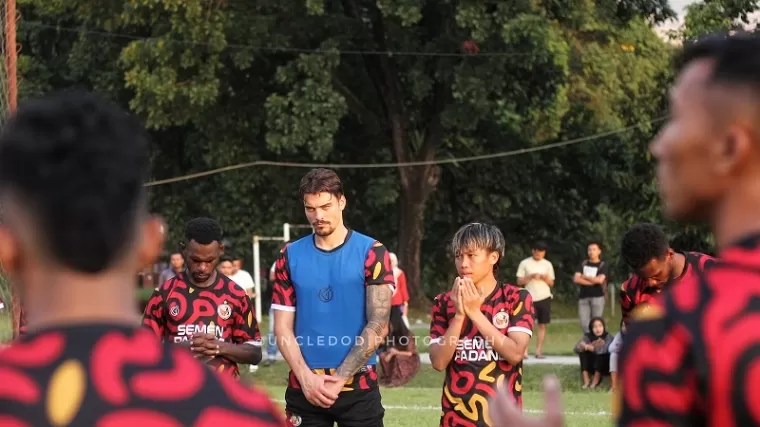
<point>77,164</point>
<point>225,258</point>
<point>736,56</point>
<point>642,243</point>
<point>203,230</point>
<point>595,242</point>
<point>540,245</point>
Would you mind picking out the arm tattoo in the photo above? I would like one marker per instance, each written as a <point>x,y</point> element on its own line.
<point>378,313</point>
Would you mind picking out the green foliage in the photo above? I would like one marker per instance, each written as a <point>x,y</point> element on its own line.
<point>220,83</point>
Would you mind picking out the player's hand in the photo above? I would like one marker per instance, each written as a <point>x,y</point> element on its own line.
<point>334,384</point>
<point>204,345</point>
<point>455,297</point>
<point>315,390</point>
<point>504,412</point>
<point>470,296</point>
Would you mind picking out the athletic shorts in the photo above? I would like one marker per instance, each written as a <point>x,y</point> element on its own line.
<point>543,311</point>
<point>356,408</point>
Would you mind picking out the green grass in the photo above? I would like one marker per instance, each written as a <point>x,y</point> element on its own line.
<point>418,403</point>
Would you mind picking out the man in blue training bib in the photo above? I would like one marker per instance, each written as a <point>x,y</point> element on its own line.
<point>331,300</point>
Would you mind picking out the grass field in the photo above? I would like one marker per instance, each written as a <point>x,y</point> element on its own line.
<point>418,403</point>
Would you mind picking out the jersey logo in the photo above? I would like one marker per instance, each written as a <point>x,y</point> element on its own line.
<point>326,294</point>
<point>174,310</point>
<point>501,319</point>
<point>224,311</point>
<point>295,420</point>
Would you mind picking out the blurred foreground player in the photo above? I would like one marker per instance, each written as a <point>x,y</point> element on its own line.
<point>479,330</point>
<point>692,358</point>
<point>75,229</point>
<point>203,309</point>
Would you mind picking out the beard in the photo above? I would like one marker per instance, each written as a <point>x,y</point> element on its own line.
<point>323,230</point>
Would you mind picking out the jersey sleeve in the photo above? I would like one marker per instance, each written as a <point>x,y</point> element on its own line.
<point>283,291</point>
<point>522,315</point>
<point>551,271</point>
<point>246,327</point>
<point>439,319</point>
<point>658,377</point>
<point>153,317</point>
<point>377,267</point>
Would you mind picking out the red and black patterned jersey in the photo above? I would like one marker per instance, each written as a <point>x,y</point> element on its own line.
<point>114,376</point>
<point>635,291</point>
<point>177,310</point>
<point>477,371</point>
<point>693,358</point>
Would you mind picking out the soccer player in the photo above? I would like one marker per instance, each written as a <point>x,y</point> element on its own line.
<point>479,330</point>
<point>204,309</point>
<point>332,302</point>
<point>75,229</point>
<point>691,358</point>
<point>646,250</point>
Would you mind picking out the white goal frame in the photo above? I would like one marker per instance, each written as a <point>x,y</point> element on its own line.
<point>257,239</point>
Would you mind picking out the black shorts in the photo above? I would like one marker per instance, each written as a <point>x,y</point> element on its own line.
<point>543,311</point>
<point>356,408</point>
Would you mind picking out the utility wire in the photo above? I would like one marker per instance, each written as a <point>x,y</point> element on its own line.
<point>274,49</point>
<point>400,165</point>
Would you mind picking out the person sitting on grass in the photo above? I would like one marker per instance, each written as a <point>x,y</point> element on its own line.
<point>592,350</point>
<point>399,360</point>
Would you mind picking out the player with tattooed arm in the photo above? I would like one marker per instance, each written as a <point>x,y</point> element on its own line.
<point>332,302</point>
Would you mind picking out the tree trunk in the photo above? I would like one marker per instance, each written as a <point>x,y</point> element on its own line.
<point>415,192</point>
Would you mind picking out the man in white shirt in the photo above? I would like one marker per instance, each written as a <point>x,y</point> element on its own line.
<point>536,273</point>
<point>242,277</point>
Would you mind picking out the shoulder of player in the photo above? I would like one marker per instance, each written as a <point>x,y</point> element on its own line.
<point>631,284</point>
<point>442,299</point>
<point>232,286</point>
<point>699,260</point>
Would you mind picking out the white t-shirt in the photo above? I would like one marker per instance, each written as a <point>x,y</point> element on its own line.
<point>538,289</point>
<point>243,279</point>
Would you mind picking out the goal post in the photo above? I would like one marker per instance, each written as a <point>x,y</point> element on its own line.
<point>257,239</point>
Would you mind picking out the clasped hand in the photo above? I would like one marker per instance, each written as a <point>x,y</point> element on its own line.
<point>321,390</point>
<point>204,346</point>
<point>466,296</point>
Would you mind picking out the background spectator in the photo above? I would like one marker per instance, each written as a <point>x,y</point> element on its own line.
<point>536,273</point>
<point>591,276</point>
<point>592,350</point>
<point>400,300</point>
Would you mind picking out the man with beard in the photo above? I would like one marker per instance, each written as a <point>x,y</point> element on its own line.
<point>332,302</point>
<point>204,309</point>
<point>690,358</point>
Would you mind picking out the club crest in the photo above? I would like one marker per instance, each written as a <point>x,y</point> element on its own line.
<point>174,310</point>
<point>295,420</point>
<point>224,311</point>
<point>501,319</point>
